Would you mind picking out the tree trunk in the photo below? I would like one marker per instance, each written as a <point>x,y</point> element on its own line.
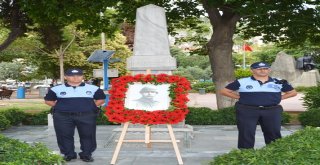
<point>220,53</point>
<point>13,35</point>
<point>51,36</point>
<point>17,20</point>
<point>220,50</point>
<point>61,54</point>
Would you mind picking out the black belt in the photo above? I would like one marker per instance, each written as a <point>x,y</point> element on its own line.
<point>76,113</point>
<point>260,107</point>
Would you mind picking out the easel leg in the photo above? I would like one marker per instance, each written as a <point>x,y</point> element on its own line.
<point>121,138</point>
<point>148,136</point>
<point>175,145</point>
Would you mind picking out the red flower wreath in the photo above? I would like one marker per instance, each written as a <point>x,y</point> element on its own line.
<point>177,111</point>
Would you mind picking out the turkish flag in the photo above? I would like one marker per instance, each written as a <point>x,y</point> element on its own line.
<point>247,47</point>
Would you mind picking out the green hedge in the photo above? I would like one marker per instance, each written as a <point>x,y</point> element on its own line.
<point>12,116</point>
<point>241,73</point>
<point>40,118</point>
<point>303,147</point>
<point>311,97</point>
<point>311,117</point>
<point>226,116</point>
<point>207,116</point>
<point>14,152</point>
<point>208,86</point>
<point>4,122</point>
<point>196,116</point>
<point>302,89</point>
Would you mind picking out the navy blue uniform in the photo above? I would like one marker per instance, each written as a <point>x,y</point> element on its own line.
<point>258,103</point>
<point>75,107</point>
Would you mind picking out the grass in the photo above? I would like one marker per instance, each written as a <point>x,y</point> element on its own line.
<point>27,105</point>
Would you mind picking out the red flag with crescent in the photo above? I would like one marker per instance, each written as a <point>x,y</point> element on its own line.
<point>247,47</point>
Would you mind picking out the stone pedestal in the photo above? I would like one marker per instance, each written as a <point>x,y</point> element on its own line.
<point>307,79</point>
<point>50,120</point>
<point>151,43</point>
<point>152,51</point>
<point>284,67</point>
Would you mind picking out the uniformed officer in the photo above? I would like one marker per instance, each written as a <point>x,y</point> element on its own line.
<point>259,97</point>
<point>75,105</point>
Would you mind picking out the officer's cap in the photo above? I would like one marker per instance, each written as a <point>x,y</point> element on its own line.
<point>258,65</point>
<point>73,72</point>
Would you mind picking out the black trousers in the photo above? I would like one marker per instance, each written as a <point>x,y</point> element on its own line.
<point>247,119</point>
<point>65,124</point>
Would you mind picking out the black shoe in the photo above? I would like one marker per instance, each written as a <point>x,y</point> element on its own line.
<point>86,158</point>
<point>69,158</point>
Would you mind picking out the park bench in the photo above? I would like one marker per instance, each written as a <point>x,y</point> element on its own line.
<point>5,94</point>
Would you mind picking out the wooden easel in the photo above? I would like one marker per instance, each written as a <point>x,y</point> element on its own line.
<point>147,139</point>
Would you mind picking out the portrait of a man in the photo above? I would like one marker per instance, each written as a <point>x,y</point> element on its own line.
<point>147,97</point>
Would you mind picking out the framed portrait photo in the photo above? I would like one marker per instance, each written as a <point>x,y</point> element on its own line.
<point>148,99</point>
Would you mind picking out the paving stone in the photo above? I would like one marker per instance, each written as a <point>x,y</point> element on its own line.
<point>206,143</point>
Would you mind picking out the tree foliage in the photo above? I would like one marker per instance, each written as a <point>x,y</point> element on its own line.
<point>186,59</point>
<point>49,17</point>
<point>192,73</point>
<point>10,70</point>
<point>285,22</point>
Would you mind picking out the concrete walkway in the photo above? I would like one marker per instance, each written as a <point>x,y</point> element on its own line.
<point>197,148</point>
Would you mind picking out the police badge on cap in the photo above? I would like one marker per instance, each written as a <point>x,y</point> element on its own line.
<point>73,72</point>
<point>258,65</point>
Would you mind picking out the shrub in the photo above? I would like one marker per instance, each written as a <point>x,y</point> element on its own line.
<point>40,118</point>
<point>310,117</point>
<point>286,118</point>
<point>225,116</point>
<point>14,115</point>
<point>302,147</point>
<point>199,116</point>
<point>301,89</point>
<point>15,152</point>
<point>209,86</point>
<point>4,122</point>
<point>311,97</point>
<point>241,73</point>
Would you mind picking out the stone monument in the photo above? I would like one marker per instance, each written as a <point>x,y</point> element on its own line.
<point>284,67</point>
<point>151,51</point>
<point>307,79</point>
<point>151,43</point>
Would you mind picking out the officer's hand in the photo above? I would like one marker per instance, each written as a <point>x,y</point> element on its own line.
<point>283,81</point>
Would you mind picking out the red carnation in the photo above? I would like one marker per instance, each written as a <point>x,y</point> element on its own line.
<point>173,79</point>
<point>122,89</point>
<point>126,78</point>
<point>138,77</point>
<point>162,78</point>
<point>147,78</point>
<point>179,90</point>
